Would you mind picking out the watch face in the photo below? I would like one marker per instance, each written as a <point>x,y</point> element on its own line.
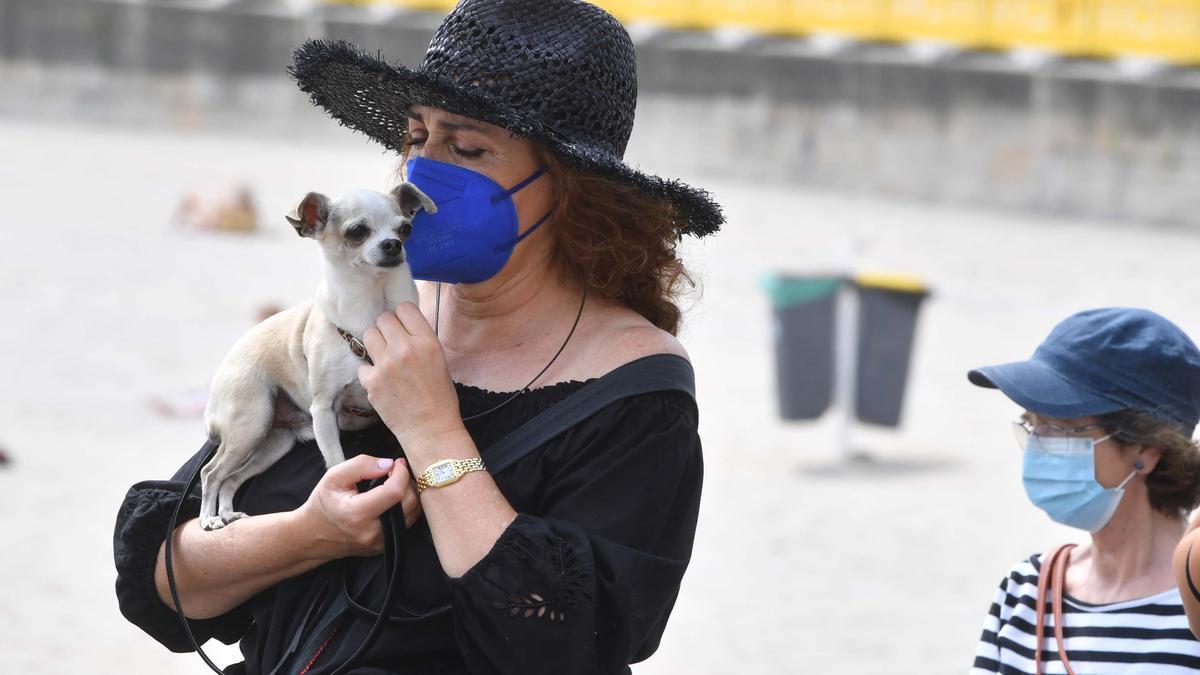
<point>442,472</point>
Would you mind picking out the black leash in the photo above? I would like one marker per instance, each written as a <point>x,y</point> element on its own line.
<point>392,532</point>
<point>392,551</point>
<point>392,536</point>
<point>187,628</point>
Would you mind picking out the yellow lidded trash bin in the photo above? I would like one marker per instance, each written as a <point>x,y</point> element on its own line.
<point>887,322</point>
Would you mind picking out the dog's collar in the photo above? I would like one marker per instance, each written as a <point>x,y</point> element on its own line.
<point>356,346</point>
<point>359,350</point>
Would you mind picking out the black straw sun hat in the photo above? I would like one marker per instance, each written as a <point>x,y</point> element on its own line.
<point>559,72</point>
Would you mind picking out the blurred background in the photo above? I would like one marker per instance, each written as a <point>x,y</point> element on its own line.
<point>995,164</point>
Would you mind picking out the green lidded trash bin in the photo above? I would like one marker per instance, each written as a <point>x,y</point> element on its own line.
<point>805,309</point>
<point>888,308</point>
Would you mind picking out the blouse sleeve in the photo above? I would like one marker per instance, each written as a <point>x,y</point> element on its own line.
<point>140,531</point>
<point>586,585</point>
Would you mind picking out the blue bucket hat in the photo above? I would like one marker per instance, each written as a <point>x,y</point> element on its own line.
<point>1105,360</point>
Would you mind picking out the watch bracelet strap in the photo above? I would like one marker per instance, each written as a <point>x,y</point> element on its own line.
<point>461,468</point>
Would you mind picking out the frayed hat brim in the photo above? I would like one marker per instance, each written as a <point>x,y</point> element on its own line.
<point>367,94</point>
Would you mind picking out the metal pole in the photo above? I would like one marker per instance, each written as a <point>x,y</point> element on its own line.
<point>846,366</point>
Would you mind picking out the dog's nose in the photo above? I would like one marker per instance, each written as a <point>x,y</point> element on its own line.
<point>391,246</point>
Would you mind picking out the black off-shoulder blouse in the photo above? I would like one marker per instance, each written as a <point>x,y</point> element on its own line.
<point>581,582</point>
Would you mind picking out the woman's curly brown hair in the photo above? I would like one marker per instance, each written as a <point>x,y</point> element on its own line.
<point>626,238</point>
<point>1174,484</point>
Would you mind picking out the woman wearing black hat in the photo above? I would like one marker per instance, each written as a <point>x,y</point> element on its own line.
<point>531,547</point>
<point>1111,400</point>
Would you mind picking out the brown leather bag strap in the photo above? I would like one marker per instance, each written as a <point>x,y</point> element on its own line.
<point>1050,582</point>
<point>1040,608</point>
<point>1057,586</point>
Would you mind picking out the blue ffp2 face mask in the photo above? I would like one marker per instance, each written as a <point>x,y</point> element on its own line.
<point>472,235</point>
<point>1060,479</point>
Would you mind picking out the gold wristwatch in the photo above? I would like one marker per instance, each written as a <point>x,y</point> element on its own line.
<point>448,471</point>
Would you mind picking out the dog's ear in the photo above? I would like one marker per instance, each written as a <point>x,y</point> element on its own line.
<point>411,199</point>
<point>310,215</point>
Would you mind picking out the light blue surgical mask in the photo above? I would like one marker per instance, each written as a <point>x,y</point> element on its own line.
<point>1060,479</point>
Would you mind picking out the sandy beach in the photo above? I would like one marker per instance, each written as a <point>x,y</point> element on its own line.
<point>801,564</point>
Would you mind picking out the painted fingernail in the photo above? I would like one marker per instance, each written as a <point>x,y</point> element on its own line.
<point>384,464</point>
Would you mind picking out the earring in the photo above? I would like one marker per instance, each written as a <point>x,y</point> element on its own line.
<point>1137,465</point>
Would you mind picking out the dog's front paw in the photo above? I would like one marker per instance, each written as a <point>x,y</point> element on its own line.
<point>211,523</point>
<point>230,516</point>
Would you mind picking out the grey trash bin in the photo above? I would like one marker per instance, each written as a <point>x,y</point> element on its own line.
<point>888,309</point>
<point>804,309</point>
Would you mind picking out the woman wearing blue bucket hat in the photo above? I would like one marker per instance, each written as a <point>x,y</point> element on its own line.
<point>1111,399</point>
<point>539,395</point>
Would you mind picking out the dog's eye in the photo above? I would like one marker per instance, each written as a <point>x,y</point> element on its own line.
<point>358,232</point>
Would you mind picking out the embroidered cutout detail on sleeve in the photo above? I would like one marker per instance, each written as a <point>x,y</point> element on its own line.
<point>530,606</point>
<point>571,584</point>
<point>572,581</point>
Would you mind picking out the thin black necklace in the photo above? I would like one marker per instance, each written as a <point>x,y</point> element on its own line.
<point>437,315</point>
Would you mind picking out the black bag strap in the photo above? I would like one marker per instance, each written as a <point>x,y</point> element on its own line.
<point>658,372</point>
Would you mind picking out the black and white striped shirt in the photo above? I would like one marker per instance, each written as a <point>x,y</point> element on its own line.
<point>1135,637</point>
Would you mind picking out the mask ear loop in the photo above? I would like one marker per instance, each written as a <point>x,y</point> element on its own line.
<point>520,186</point>
<point>526,233</point>
<point>505,195</point>
<point>1137,466</point>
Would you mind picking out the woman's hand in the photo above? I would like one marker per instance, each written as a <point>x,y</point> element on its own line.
<point>344,521</point>
<point>409,385</point>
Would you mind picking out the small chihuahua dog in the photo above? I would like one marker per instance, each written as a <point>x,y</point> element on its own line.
<point>310,354</point>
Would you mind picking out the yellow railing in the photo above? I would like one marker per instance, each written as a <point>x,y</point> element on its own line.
<point>1064,26</point>
<point>1169,29</point>
<point>1164,29</point>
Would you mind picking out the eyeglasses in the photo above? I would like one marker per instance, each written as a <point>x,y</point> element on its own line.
<point>1022,430</point>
